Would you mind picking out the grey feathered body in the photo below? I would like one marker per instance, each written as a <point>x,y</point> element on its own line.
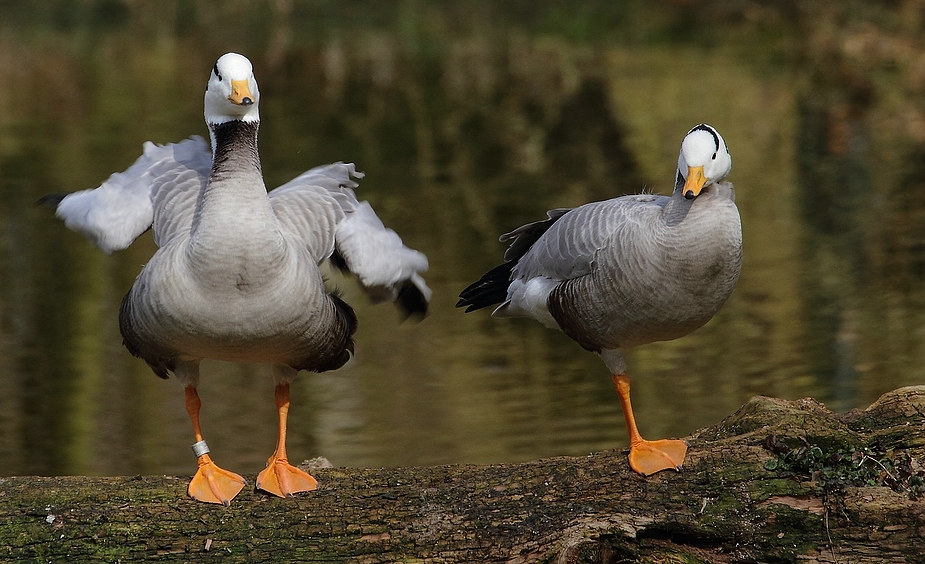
<point>235,286</point>
<point>631,270</point>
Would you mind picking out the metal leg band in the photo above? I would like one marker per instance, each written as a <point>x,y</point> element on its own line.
<point>200,448</point>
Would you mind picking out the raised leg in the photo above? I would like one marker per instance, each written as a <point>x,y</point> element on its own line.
<point>211,484</point>
<point>279,477</point>
<point>647,457</point>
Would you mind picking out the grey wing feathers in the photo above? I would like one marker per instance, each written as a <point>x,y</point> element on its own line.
<point>386,268</point>
<point>321,208</point>
<point>176,187</point>
<point>562,247</point>
<point>312,204</point>
<point>123,207</point>
<point>566,250</point>
<point>526,235</point>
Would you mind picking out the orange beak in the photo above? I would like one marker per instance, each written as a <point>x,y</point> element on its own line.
<point>695,182</point>
<point>241,93</point>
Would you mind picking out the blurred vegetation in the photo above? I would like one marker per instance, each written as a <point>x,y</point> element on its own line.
<point>630,21</point>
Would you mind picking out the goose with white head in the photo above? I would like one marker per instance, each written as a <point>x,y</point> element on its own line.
<point>236,276</point>
<point>625,272</point>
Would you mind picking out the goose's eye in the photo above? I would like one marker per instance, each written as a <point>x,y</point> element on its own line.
<point>217,74</point>
<point>714,156</point>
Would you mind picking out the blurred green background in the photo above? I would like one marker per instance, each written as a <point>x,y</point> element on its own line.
<point>469,119</point>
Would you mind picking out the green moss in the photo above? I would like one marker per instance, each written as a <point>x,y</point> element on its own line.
<point>834,469</point>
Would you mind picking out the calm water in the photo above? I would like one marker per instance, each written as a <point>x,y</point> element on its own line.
<point>468,121</point>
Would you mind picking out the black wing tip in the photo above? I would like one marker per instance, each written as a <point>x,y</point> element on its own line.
<point>50,201</point>
<point>338,261</point>
<point>412,301</point>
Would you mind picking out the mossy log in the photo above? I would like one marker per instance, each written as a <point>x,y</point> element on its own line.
<point>742,497</point>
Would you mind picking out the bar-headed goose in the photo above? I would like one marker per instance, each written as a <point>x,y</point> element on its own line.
<point>236,275</point>
<point>628,271</point>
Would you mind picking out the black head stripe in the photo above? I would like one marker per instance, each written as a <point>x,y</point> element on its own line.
<point>711,131</point>
<point>215,70</point>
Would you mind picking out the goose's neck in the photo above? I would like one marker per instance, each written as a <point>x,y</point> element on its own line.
<point>233,214</point>
<point>234,149</point>
<point>678,206</point>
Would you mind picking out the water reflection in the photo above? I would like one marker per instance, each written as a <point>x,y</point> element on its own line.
<point>463,135</point>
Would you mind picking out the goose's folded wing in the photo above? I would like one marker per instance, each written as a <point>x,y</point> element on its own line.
<point>566,248</point>
<point>560,249</point>
<point>320,207</point>
<point>159,188</point>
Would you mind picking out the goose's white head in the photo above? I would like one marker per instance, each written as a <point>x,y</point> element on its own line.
<point>232,92</point>
<point>704,160</point>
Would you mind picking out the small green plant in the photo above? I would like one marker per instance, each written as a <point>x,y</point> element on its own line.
<point>872,465</point>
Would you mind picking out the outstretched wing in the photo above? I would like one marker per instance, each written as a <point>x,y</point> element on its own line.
<point>160,188</point>
<point>320,208</point>
<point>176,184</point>
<point>312,204</point>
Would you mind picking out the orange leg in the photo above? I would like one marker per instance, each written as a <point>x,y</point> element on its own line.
<point>279,477</point>
<point>211,484</point>
<point>647,457</point>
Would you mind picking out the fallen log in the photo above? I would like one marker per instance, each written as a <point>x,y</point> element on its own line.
<point>778,481</point>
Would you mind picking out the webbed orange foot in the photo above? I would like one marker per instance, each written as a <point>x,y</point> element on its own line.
<point>284,480</point>
<point>649,457</point>
<point>213,484</point>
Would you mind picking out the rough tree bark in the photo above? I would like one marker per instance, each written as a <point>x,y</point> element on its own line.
<point>743,496</point>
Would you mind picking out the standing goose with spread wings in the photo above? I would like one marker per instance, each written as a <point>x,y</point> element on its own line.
<point>628,271</point>
<point>236,276</point>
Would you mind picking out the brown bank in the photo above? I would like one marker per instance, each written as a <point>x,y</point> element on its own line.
<point>778,481</point>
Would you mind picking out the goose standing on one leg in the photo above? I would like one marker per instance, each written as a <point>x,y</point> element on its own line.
<point>236,274</point>
<point>628,271</point>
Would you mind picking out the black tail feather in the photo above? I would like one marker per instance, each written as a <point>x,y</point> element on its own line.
<point>488,290</point>
<point>492,287</point>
